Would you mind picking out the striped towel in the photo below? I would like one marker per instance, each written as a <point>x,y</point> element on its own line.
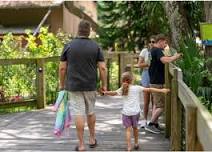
<point>63,116</point>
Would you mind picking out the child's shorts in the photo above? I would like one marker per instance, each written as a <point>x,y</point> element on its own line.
<point>130,121</point>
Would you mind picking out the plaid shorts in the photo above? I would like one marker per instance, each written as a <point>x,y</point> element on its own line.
<point>82,102</point>
<point>158,98</point>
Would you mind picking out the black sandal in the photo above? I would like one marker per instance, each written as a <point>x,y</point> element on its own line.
<point>76,148</point>
<point>93,145</point>
<point>136,147</point>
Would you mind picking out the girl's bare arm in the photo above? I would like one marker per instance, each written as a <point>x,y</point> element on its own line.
<point>110,93</point>
<point>164,90</point>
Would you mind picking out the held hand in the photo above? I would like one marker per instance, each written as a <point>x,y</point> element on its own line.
<point>164,90</point>
<point>102,90</point>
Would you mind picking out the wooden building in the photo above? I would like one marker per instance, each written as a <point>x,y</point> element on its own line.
<point>18,15</point>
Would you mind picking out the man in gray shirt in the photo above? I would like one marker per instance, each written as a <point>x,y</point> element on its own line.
<point>78,75</point>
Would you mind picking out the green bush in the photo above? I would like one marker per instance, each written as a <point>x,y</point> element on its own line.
<point>195,73</point>
<point>13,80</point>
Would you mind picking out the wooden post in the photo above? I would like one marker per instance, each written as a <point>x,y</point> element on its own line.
<point>122,64</point>
<point>176,115</point>
<point>108,73</point>
<point>41,91</point>
<point>167,102</point>
<point>191,125</point>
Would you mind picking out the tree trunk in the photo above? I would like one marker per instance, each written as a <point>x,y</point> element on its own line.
<point>178,22</point>
<point>208,19</point>
<point>208,11</point>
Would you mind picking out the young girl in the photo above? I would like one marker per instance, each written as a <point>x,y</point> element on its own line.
<point>132,95</point>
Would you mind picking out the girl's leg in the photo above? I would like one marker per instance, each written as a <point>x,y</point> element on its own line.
<point>135,133</point>
<point>128,136</point>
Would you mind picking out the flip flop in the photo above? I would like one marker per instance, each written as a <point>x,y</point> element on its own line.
<point>76,148</point>
<point>136,147</point>
<point>93,145</point>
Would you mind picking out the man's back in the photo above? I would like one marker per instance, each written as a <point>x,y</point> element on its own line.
<point>82,55</point>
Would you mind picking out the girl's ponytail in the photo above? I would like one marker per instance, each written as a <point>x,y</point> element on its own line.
<point>127,78</point>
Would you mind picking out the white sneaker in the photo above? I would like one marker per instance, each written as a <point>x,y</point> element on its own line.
<point>143,123</point>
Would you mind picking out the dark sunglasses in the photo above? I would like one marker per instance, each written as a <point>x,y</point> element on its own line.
<point>152,41</point>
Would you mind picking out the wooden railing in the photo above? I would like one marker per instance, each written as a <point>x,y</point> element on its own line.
<point>40,98</point>
<point>126,61</point>
<point>188,123</point>
<point>123,59</point>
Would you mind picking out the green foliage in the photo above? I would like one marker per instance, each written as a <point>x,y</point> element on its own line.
<point>194,13</point>
<point>124,24</point>
<point>19,80</point>
<point>195,74</point>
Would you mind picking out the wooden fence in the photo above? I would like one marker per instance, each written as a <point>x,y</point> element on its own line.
<point>40,98</point>
<point>188,123</point>
<point>123,60</point>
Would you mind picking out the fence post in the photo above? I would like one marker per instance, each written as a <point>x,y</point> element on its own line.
<point>41,91</point>
<point>122,63</point>
<point>175,115</point>
<point>191,125</point>
<point>108,73</point>
<point>167,102</point>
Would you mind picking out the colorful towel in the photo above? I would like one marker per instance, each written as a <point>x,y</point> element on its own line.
<point>63,116</point>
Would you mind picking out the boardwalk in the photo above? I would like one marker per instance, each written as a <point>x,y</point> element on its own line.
<point>32,131</point>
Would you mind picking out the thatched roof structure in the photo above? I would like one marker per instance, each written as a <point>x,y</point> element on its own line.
<point>19,4</point>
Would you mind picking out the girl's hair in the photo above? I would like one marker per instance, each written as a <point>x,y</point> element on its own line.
<point>126,78</point>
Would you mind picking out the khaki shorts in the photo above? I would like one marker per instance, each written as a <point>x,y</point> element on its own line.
<point>158,98</point>
<point>82,102</point>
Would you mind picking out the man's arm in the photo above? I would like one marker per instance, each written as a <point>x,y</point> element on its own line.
<point>167,59</point>
<point>103,75</point>
<point>62,74</point>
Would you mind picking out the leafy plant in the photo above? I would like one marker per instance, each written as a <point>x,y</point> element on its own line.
<point>195,73</point>
<point>13,80</point>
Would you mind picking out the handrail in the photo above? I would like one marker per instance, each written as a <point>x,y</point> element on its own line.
<point>198,121</point>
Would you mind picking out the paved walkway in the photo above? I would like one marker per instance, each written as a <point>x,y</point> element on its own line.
<point>32,131</point>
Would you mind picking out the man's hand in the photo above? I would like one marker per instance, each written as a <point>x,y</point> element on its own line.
<point>164,90</point>
<point>178,55</point>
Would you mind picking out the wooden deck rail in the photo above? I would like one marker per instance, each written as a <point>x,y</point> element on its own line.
<point>184,113</point>
<point>123,60</point>
<point>40,79</point>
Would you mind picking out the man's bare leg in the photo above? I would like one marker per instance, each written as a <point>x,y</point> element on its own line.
<point>91,120</point>
<point>80,124</point>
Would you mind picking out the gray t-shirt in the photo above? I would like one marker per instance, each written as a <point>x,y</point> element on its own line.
<point>82,55</point>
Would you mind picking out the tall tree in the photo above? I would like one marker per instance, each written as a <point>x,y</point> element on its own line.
<point>183,18</point>
<point>208,19</point>
<point>208,11</point>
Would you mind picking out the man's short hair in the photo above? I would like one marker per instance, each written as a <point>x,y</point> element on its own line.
<point>160,37</point>
<point>84,28</point>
